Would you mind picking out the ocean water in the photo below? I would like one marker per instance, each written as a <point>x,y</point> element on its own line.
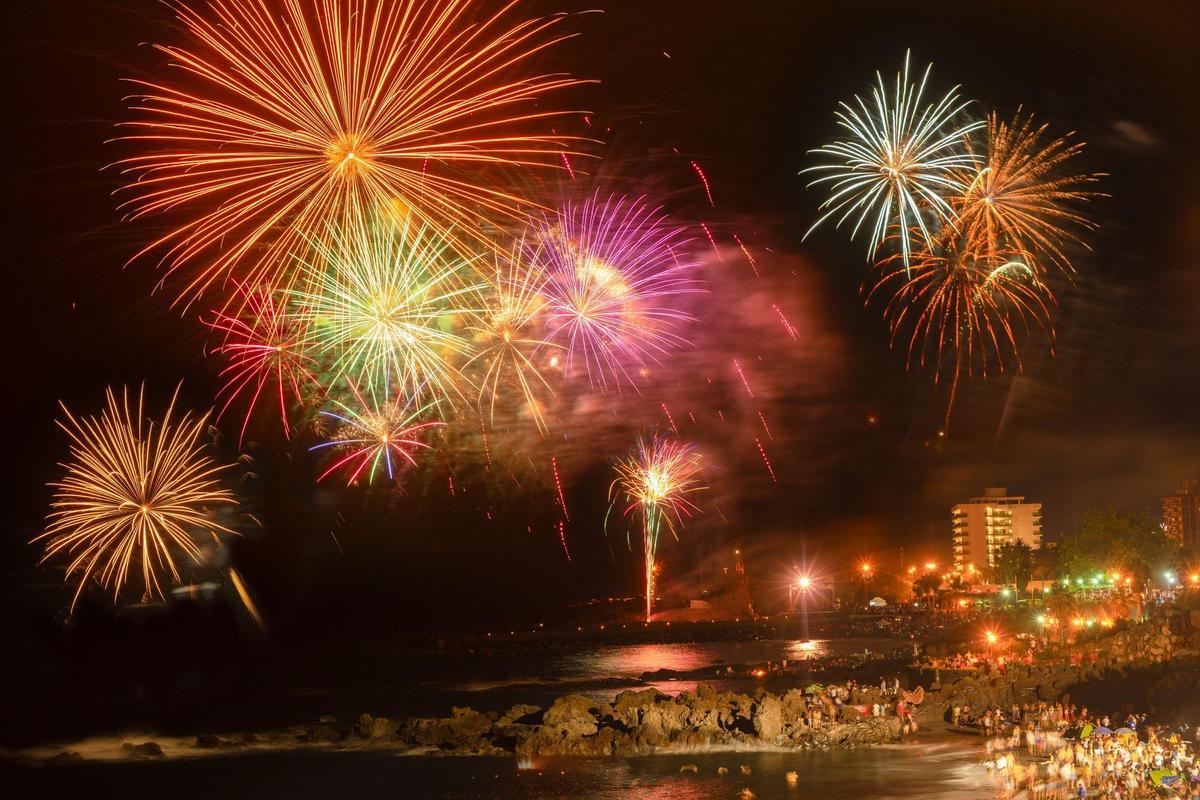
<point>913,770</point>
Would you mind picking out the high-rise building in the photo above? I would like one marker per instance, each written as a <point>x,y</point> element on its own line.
<point>1181,515</point>
<point>982,524</point>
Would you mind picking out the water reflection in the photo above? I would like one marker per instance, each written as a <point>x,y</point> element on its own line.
<point>632,660</point>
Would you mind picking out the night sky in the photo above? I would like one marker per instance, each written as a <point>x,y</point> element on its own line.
<point>744,88</point>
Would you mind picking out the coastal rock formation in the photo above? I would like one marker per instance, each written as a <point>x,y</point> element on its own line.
<point>636,723</point>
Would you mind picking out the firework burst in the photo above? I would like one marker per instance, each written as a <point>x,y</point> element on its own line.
<point>373,436</point>
<point>657,480</point>
<point>1019,200</point>
<point>286,120</point>
<point>964,308</point>
<point>134,497</point>
<point>382,302</point>
<point>615,270</point>
<point>264,348</point>
<point>899,160</point>
<point>510,347</point>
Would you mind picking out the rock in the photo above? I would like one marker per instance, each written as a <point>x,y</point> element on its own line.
<point>143,750</point>
<point>572,716</point>
<point>792,778</point>
<point>746,794</point>
<point>692,768</point>
<point>327,719</point>
<point>768,719</point>
<point>745,770</point>
<point>628,705</point>
<point>381,728</point>
<point>66,757</point>
<point>722,770</point>
<point>209,742</point>
<point>520,714</point>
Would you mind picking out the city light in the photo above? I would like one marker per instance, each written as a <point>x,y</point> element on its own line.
<point>930,566</point>
<point>991,637</point>
<point>804,582</point>
<point>866,568</point>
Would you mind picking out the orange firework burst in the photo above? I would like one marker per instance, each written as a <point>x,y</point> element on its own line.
<point>1020,200</point>
<point>287,120</point>
<point>135,494</point>
<point>969,309</point>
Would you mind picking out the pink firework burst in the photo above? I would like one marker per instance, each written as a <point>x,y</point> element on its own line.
<point>615,272</point>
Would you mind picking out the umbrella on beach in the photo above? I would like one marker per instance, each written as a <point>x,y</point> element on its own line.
<point>814,688</point>
<point>1086,731</point>
<point>1103,731</point>
<point>1124,731</point>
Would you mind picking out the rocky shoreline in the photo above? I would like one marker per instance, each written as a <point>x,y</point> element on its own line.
<point>648,722</point>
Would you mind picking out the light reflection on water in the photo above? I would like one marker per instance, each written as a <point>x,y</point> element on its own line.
<point>924,770</point>
<point>632,660</point>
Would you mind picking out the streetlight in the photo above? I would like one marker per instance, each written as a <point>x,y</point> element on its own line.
<point>930,566</point>
<point>804,582</point>
<point>865,568</point>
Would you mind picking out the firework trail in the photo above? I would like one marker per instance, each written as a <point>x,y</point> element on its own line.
<point>766,461</point>
<point>280,124</point>
<point>376,434</point>
<point>613,279</point>
<point>134,496</point>
<point>900,158</point>
<point>670,419</point>
<point>704,181</point>
<point>656,480</point>
<point>562,499</point>
<point>742,375</point>
<point>712,241</point>
<point>562,538</point>
<point>746,253</point>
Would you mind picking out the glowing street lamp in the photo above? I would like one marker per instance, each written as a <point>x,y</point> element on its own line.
<point>804,582</point>
<point>930,566</point>
<point>866,568</point>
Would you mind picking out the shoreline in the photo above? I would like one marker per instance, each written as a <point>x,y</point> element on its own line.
<point>706,719</point>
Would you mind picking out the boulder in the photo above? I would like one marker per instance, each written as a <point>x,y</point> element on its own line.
<point>143,750</point>
<point>767,717</point>
<point>629,704</point>
<point>572,716</point>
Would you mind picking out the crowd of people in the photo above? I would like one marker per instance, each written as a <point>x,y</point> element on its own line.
<point>1054,751</point>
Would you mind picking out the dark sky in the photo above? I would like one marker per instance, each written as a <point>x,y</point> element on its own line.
<point>1113,418</point>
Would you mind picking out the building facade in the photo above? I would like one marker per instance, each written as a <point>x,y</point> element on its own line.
<point>1181,516</point>
<point>983,524</point>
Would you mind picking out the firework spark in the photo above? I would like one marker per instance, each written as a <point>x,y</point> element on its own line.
<point>967,308</point>
<point>657,479</point>
<point>375,434</point>
<point>134,497</point>
<point>264,348</point>
<point>283,122</point>
<point>382,302</point>
<point>615,269</point>
<point>508,334</point>
<point>1020,201</point>
<point>900,159</point>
